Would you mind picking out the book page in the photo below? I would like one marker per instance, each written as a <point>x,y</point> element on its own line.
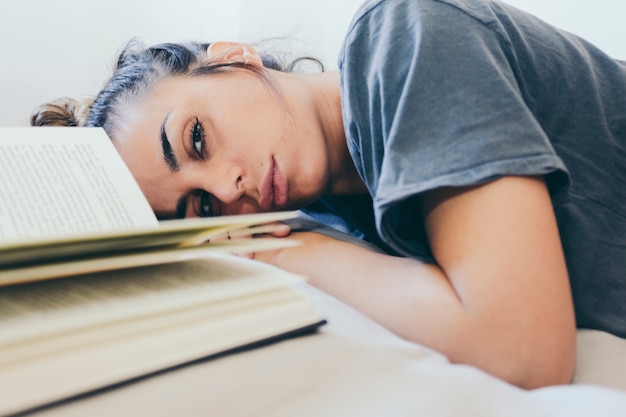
<point>65,181</point>
<point>168,234</point>
<point>48,307</point>
<point>154,256</point>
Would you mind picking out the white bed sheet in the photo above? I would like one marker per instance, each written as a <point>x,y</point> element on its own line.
<point>353,367</point>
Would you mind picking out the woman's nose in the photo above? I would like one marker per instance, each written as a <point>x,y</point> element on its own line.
<point>228,187</point>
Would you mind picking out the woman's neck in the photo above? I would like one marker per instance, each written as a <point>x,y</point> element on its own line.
<point>343,176</point>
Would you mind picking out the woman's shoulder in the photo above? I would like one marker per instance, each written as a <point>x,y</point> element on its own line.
<point>401,22</point>
<point>433,15</point>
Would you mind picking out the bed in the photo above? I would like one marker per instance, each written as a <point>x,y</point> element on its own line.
<point>353,367</point>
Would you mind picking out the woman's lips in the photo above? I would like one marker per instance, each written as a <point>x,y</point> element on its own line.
<point>274,189</point>
<point>280,186</point>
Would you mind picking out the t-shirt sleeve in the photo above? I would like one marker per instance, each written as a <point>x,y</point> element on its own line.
<point>432,99</point>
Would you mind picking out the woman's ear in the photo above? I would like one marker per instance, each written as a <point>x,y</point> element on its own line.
<point>229,52</point>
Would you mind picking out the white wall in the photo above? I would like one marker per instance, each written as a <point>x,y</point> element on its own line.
<point>309,27</point>
<point>61,48</point>
<point>65,47</point>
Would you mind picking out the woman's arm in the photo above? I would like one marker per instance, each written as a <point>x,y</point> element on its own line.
<point>498,297</point>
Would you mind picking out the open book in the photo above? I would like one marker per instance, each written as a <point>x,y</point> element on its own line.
<point>95,291</point>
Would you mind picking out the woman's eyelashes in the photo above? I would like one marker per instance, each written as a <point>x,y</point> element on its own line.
<point>197,138</point>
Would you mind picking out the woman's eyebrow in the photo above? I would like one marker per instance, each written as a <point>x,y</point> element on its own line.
<point>168,152</point>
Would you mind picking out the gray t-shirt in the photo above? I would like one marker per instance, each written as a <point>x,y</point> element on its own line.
<point>460,92</point>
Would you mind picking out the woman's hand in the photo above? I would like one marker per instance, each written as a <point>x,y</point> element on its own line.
<point>276,229</point>
<point>293,255</point>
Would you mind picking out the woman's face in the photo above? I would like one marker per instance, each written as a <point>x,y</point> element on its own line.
<point>222,144</point>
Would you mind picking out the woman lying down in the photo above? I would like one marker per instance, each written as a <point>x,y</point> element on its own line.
<point>482,150</point>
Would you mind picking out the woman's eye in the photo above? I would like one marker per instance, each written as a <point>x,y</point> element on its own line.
<point>205,208</point>
<point>197,138</point>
